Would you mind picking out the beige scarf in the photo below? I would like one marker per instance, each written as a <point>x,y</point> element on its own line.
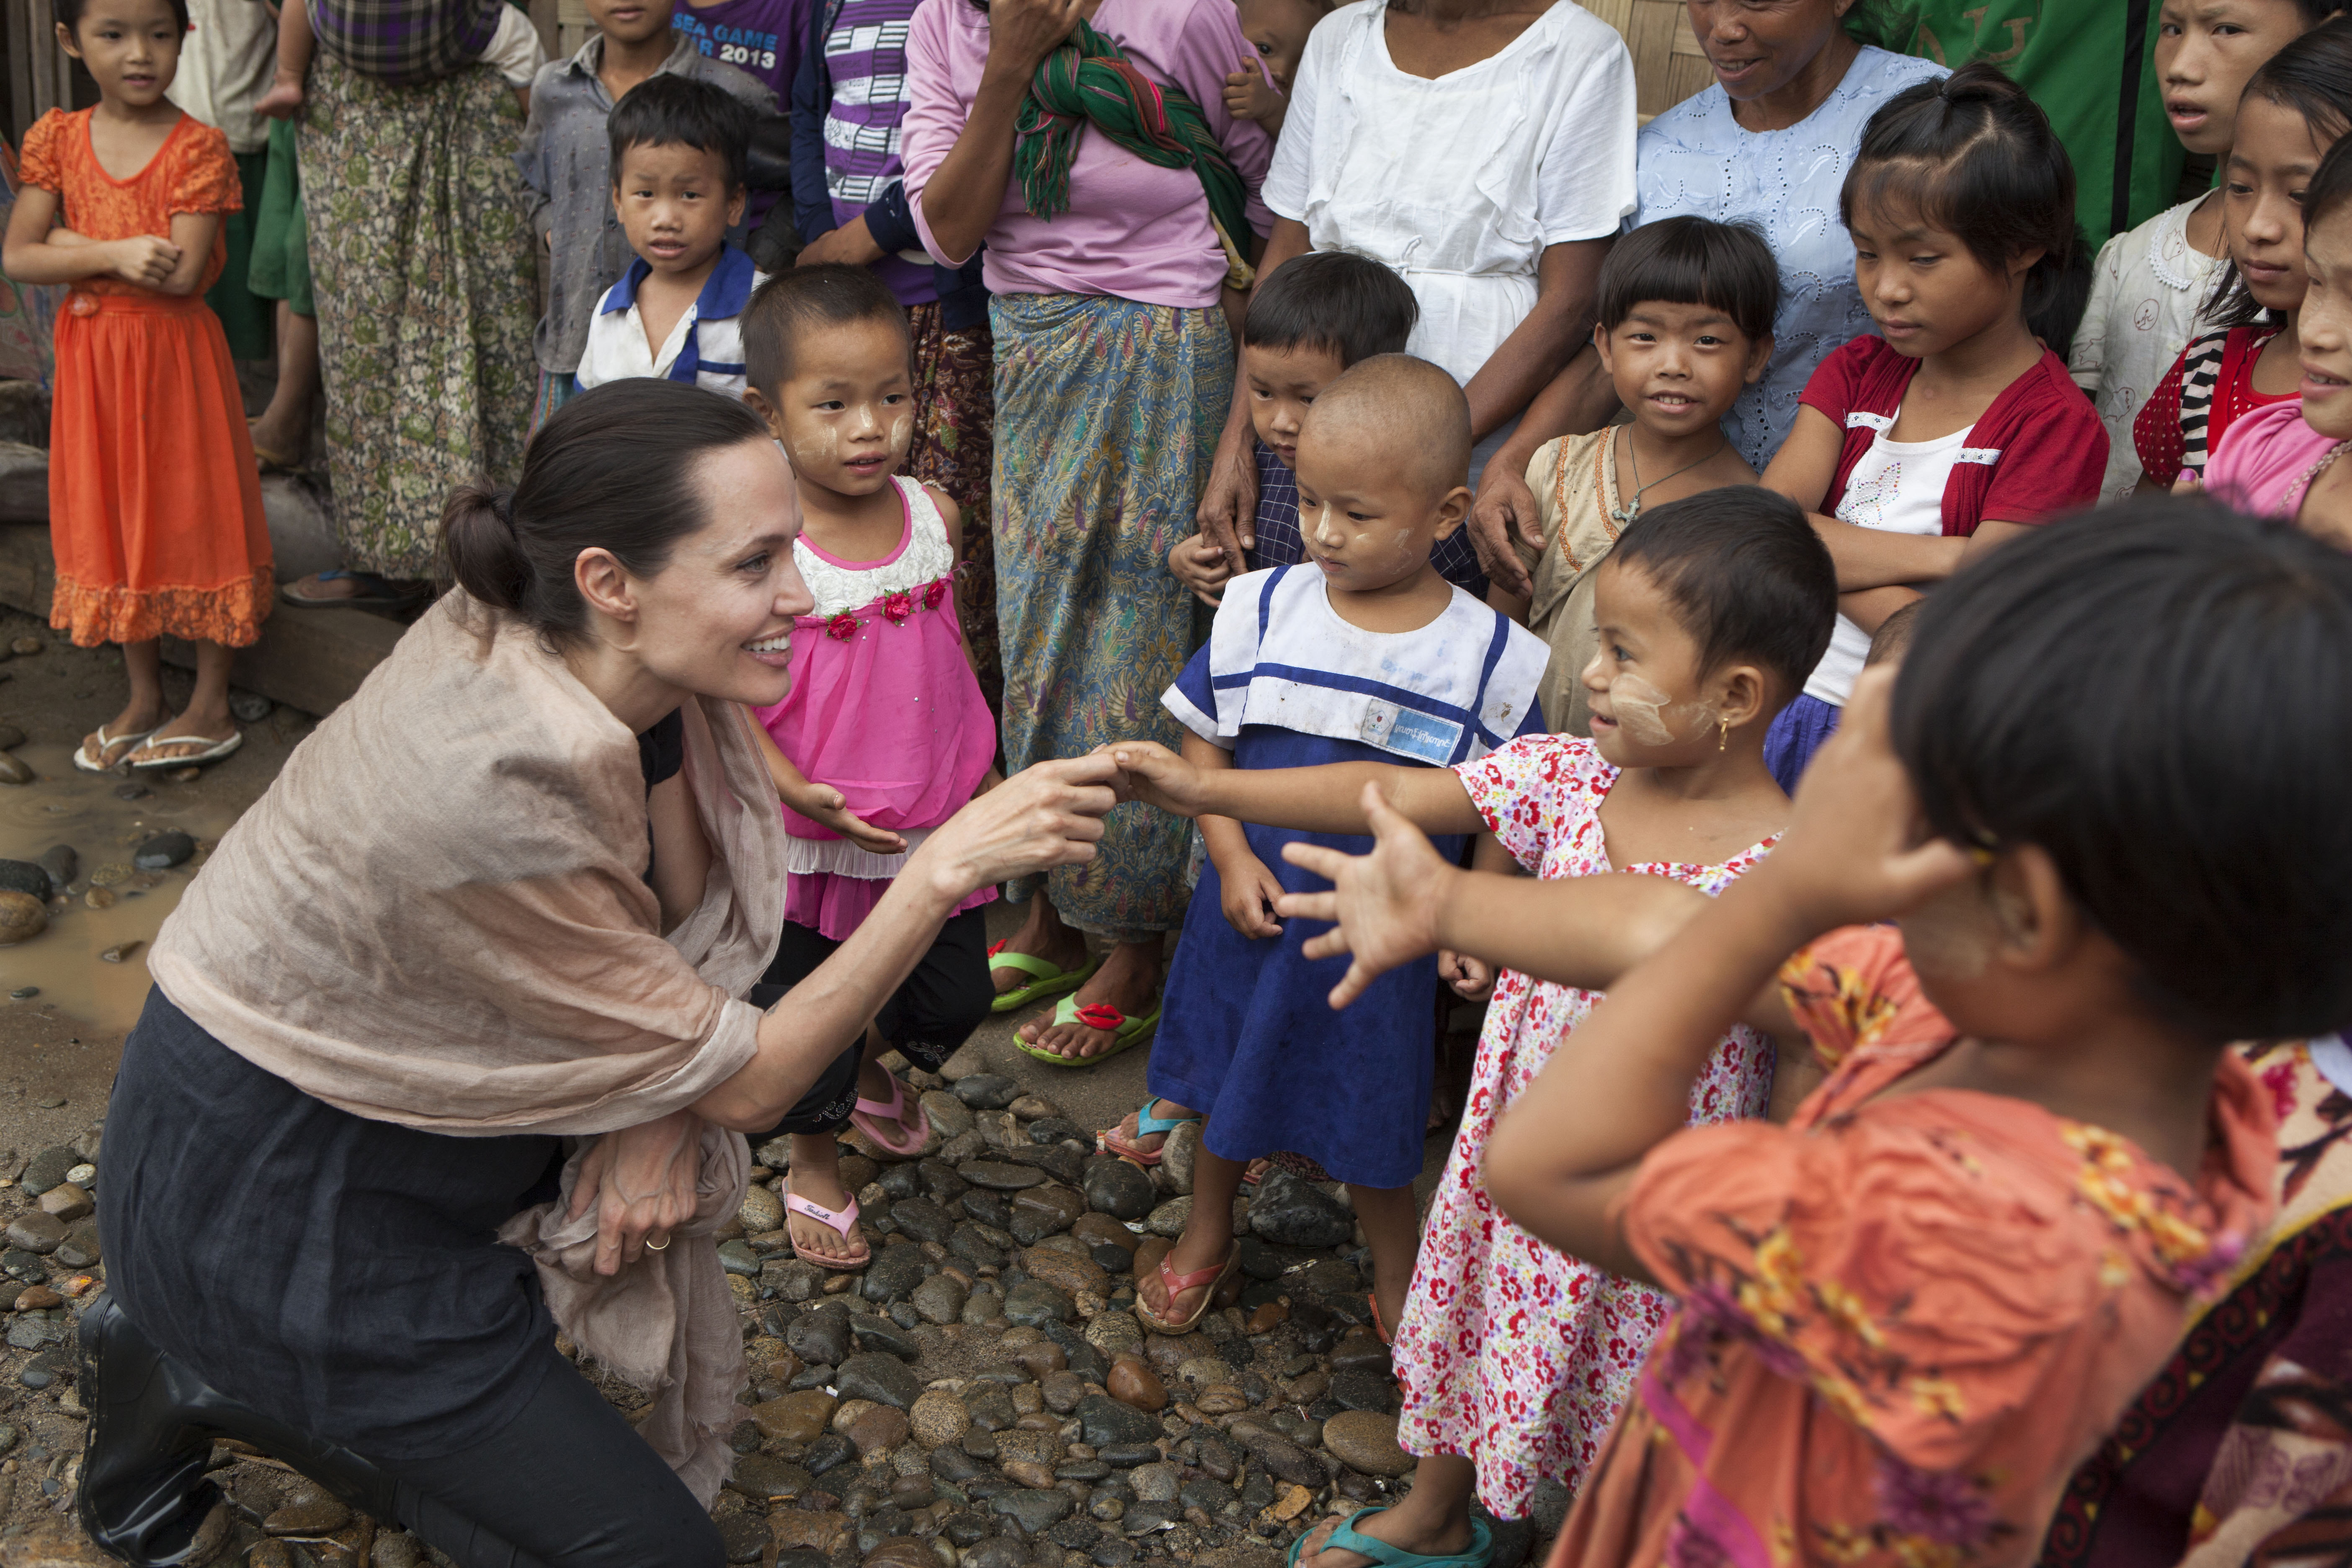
<point>438,917</point>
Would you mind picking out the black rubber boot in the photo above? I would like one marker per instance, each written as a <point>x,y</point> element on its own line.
<point>143,1496</point>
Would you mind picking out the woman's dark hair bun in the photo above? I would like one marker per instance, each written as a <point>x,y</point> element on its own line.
<point>613,470</point>
<point>477,530</point>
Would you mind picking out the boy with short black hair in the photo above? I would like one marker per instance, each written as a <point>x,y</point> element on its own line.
<point>678,151</point>
<point>1317,316</point>
<point>567,167</point>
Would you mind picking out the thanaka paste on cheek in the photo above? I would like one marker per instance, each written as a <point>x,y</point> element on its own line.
<point>1641,710</point>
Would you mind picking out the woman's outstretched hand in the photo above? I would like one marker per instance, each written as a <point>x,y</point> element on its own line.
<point>1384,905</point>
<point>1046,815</point>
<point>641,1181</point>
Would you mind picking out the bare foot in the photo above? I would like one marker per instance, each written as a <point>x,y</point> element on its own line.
<point>1057,944</point>
<point>1124,1139</point>
<point>314,586</point>
<point>1189,1255</point>
<point>819,1182</point>
<point>1391,1525</point>
<point>1128,980</point>
<point>282,444</point>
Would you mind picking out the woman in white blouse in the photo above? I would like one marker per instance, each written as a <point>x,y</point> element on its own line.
<point>1483,148</point>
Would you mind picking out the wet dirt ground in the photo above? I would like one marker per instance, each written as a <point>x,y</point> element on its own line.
<point>60,1048</point>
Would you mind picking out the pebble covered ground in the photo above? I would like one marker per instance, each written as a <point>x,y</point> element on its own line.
<point>981,1396</point>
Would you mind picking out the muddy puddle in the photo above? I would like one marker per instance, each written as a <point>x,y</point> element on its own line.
<point>83,810</point>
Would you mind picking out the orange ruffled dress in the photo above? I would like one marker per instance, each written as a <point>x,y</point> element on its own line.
<point>1901,1321</point>
<point>154,502</point>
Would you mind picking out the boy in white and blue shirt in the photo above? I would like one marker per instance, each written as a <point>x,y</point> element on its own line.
<point>680,147</point>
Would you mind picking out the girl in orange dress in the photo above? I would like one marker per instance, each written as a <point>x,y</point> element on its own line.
<point>154,501</point>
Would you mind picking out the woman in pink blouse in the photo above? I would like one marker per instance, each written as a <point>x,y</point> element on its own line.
<point>1085,144</point>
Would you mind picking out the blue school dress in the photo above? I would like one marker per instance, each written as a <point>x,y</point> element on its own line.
<point>1248,1036</point>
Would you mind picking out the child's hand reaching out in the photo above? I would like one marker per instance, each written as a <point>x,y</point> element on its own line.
<point>827,806</point>
<point>1853,853</point>
<point>1386,905</point>
<point>1201,567</point>
<point>1249,96</point>
<point>1471,979</point>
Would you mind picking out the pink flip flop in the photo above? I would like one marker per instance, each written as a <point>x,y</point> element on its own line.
<point>844,1222</point>
<point>1176,1284</point>
<point>880,1122</point>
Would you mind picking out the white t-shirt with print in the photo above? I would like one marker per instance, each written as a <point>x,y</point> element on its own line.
<point>1897,487</point>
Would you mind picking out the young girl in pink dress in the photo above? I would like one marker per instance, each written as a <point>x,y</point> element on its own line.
<point>885,733</point>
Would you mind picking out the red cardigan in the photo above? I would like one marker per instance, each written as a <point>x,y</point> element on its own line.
<point>2038,451</point>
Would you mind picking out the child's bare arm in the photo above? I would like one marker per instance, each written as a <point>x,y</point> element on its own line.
<point>34,252</point>
<point>1249,886</point>
<point>193,234</point>
<point>818,802</point>
<point>1866,557</point>
<point>1472,977</point>
<point>1249,96</point>
<point>1327,799</point>
<point>1570,1147</point>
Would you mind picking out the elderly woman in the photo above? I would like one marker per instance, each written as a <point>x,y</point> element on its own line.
<point>514,893</point>
<point>1767,145</point>
<point>1087,143</point>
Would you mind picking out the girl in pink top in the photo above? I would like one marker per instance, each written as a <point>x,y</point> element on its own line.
<point>885,733</point>
<point>1089,148</point>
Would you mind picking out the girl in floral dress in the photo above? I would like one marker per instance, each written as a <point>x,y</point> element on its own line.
<point>885,733</point>
<point>1515,1358</point>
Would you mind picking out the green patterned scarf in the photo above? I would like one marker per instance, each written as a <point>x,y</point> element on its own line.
<point>1090,79</point>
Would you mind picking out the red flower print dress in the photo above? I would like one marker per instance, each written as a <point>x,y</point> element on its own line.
<point>1513,1354</point>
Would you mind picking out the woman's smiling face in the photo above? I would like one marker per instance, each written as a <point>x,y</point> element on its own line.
<point>717,620</point>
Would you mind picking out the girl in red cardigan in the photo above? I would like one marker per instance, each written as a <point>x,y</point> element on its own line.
<point>1954,426</point>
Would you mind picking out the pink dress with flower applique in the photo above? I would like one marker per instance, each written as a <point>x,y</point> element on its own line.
<point>884,708</point>
<point>1513,1354</point>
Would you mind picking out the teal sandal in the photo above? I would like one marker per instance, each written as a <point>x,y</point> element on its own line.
<point>1123,1030</point>
<point>1347,1539</point>
<point>1146,1125</point>
<point>1050,980</point>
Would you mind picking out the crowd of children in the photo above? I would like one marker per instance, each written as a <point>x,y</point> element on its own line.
<point>1810,1241</point>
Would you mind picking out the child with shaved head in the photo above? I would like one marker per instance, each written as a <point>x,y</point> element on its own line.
<point>1361,653</point>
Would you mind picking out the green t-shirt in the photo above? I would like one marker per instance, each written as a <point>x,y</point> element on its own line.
<point>2090,64</point>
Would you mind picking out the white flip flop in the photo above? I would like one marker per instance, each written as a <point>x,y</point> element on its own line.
<point>107,742</point>
<point>214,750</point>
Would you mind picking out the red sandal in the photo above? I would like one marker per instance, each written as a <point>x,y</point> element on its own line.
<point>1176,1285</point>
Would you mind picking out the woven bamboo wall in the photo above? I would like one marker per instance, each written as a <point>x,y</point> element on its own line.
<point>1667,64</point>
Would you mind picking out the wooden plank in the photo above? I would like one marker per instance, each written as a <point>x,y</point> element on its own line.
<point>573,26</point>
<point>310,659</point>
<point>544,15</point>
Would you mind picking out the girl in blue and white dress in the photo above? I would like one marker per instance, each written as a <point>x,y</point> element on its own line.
<point>1248,1036</point>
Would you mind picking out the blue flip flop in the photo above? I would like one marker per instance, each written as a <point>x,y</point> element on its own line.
<point>1146,1124</point>
<point>1347,1539</point>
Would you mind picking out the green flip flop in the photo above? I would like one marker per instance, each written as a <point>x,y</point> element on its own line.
<point>1347,1539</point>
<point>1124,1031</point>
<point>1050,982</point>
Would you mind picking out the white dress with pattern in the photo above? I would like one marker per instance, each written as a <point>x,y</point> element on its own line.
<point>1511,1353</point>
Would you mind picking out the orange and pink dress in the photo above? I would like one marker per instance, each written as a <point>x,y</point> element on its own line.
<point>1904,1320</point>
<point>154,501</point>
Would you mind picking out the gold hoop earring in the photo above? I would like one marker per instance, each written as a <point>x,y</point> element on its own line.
<point>1723,735</point>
